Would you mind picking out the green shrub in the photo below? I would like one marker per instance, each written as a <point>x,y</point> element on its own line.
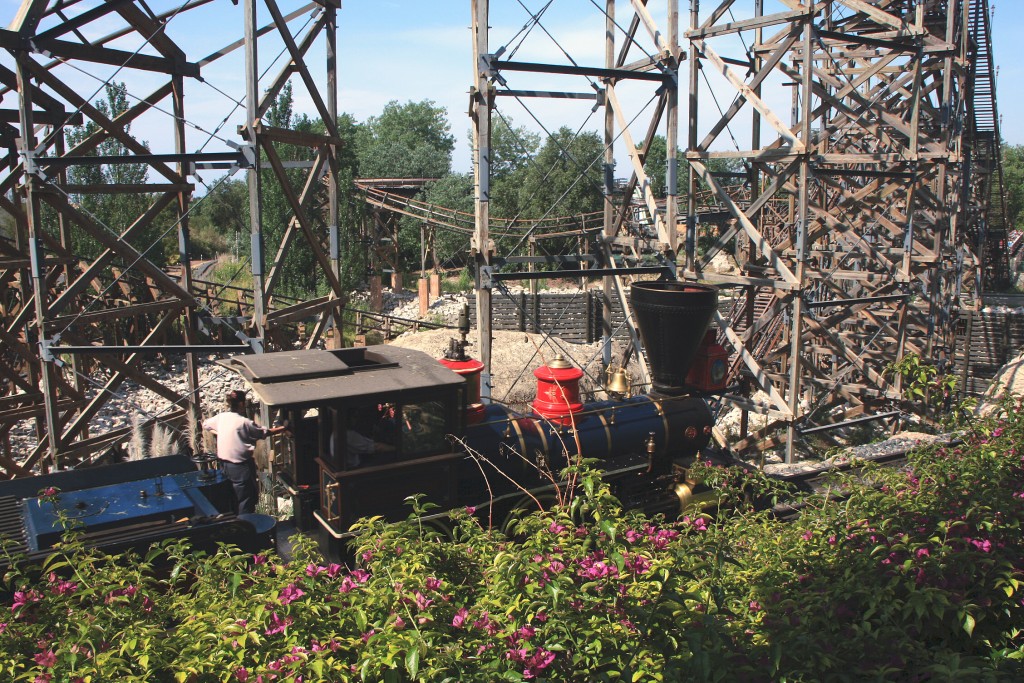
<point>902,574</point>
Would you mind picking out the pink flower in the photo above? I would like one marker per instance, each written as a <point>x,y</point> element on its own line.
<point>556,528</point>
<point>46,658</point>
<point>700,524</point>
<point>369,634</point>
<point>314,570</point>
<point>259,559</point>
<point>23,598</point>
<point>538,661</point>
<point>526,632</point>
<point>432,584</point>
<point>128,592</point>
<point>49,491</point>
<point>922,552</point>
<point>422,601</point>
<point>460,617</point>
<point>399,623</point>
<point>998,432</point>
<point>367,557</point>
<point>755,606</point>
<point>360,576</point>
<point>470,509</point>
<point>42,678</point>
<point>242,674</point>
<point>485,623</point>
<point>290,594</point>
<point>807,535</point>
<point>347,584</point>
<point>277,624</point>
<point>638,564</point>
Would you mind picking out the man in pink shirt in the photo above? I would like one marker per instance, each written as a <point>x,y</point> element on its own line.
<point>236,440</point>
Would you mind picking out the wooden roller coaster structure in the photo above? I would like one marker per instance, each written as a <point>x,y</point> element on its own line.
<point>860,226</point>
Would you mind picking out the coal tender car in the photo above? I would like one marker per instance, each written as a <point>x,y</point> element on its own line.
<point>374,425</point>
<point>127,506</point>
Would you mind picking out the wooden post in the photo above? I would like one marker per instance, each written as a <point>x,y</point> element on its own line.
<point>376,294</point>
<point>480,110</point>
<point>424,292</point>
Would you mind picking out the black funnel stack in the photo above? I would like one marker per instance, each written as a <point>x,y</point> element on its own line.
<point>672,318</point>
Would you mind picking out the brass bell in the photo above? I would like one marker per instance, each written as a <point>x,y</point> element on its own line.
<point>618,382</point>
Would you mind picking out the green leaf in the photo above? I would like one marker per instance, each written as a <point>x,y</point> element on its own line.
<point>555,592</point>
<point>412,662</point>
<point>969,624</point>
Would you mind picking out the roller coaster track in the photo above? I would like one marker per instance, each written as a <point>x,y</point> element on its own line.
<point>992,237</point>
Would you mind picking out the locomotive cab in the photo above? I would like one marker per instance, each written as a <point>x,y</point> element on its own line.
<point>372,426</point>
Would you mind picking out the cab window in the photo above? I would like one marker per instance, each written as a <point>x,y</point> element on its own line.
<point>425,428</point>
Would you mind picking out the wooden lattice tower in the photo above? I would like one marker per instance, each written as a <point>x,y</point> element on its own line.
<point>861,222</point>
<point>59,363</point>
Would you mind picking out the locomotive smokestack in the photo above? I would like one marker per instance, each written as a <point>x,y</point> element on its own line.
<point>672,318</point>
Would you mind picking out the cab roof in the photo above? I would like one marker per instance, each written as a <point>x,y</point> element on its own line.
<point>311,376</point>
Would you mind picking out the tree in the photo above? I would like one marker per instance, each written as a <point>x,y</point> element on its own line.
<point>410,140</point>
<point>114,210</point>
<point>1013,179</point>
<point>512,152</point>
<point>219,221</point>
<point>565,178</point>
<point>656,165</point>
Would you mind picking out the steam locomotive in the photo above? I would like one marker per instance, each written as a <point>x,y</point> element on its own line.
<point>374,425</point>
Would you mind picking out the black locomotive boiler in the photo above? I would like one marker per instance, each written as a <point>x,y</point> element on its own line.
<point>375,425</point>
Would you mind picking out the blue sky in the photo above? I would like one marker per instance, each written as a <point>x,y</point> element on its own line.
<point>420,49</point>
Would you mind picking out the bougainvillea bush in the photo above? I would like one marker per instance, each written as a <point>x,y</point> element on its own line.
<point>911,574</point>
